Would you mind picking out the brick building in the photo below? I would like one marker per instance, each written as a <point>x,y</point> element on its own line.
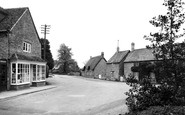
<point>115,65</point>
<point>20,50</point>
<point>95,67</point>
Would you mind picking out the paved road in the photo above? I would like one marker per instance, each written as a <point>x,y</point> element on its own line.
<point>72,96</point>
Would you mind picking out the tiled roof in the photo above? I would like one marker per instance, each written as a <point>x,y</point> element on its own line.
<point>140,55</point>
<point>93,62</point>
<point>11,18</point>
<point>28,58</point>
<point>118,56</point>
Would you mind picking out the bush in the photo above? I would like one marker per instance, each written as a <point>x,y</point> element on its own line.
<point>159,110</point>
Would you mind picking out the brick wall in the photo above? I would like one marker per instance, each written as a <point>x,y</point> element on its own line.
<point>3,46</point>
<point>24,30</point>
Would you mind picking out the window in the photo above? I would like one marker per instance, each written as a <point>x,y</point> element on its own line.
<point>13,81</point>
<point>43,73</point>
<point>26,47</point>
<point>20,73</point>
<point>23,73</point>
<point>39,73</point>
<point>136,64</point>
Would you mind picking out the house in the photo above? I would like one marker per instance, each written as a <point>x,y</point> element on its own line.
<point>95,67</point>
<point>20,51</point>
<point>115,65</point>
<point>136,57</point>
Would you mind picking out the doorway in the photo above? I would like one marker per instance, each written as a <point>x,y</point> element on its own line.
<point>3,75</point>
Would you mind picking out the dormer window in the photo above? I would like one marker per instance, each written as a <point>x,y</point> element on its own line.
<point>26,47</point>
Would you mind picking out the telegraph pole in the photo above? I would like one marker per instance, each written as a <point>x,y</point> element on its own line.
<point>45,30</point>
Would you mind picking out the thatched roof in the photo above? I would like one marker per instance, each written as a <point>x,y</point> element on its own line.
<point>140,55</point>
<point>93,62</point>
<point>118,57</point>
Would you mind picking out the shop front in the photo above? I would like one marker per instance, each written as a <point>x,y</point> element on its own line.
<point>27,73</point>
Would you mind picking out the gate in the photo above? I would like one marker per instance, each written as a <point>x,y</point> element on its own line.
<point>3,75</point>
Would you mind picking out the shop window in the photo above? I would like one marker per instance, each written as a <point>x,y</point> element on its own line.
<point>13,81</point>
<point>38,72</point>
<point>41,72</point>
<point>23,73</point>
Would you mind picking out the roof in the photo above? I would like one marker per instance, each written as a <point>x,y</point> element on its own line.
<point>27,58</point>
<point>93,62</point>
<point>11,18</point>
<point>118,56</point>
<point>140,55</point>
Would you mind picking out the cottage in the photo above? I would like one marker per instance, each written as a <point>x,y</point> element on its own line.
<point>136,57</point>
<point>20,50</point>
<point>115,65</point>
<point>95,67</point>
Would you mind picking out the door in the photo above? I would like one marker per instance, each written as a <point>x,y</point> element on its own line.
<point>3,75</point>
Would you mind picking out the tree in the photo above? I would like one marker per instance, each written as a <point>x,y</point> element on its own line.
<point>165,47</point>
<point>170,64</point>
<point>67,64</point>
<point>49,57</point>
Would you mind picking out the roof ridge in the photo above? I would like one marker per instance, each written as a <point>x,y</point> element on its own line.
<point>140,49</point>
<point>16,8</point>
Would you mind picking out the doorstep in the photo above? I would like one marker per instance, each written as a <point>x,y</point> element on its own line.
<point>15,93</point>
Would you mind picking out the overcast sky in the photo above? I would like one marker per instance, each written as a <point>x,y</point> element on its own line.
<point>90,27</point>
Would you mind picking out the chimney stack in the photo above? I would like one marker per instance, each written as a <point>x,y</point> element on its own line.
<point>90,57</point>
<point>132,46</point>
<point>102,54</point>
<point>118,46</point>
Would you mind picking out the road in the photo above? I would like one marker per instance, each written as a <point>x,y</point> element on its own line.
<point>72,96</point>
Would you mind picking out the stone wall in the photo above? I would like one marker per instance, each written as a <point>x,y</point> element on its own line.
<point>112,71</point>
<point>100,69</point>
<point>127,69</point>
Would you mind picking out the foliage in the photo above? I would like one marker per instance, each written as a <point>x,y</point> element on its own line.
<point>65,61</point>
<point>49,57</point>
<point>160,110</point>
<point>169,67</point>
<point>144,69</point>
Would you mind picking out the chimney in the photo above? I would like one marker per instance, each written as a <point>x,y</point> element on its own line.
<point>132,46</point>
<point>90,57</point>
<point>118,46</point>
<point>102,54</point>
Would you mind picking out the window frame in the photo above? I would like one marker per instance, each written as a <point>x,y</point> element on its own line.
<point>19,71</point>
<point>27,47</point>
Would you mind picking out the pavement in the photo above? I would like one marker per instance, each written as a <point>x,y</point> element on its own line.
<point>15,93</point>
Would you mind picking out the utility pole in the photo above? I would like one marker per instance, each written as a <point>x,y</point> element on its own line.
<point>45,30</point>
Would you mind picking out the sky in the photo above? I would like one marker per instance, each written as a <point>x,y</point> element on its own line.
<point>90,27</point>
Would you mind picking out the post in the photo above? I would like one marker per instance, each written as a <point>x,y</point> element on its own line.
<point>45,30</point>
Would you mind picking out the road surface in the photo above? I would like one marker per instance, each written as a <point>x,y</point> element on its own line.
<point>72,96</point>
